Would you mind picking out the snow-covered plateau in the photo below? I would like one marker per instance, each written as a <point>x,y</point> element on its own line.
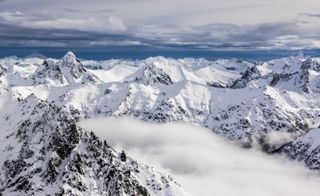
<point>271,106</point>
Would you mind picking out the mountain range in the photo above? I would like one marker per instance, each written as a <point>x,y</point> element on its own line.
<point>271,105</point>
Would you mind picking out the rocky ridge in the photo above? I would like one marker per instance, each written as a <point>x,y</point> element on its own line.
<point>44,152</point>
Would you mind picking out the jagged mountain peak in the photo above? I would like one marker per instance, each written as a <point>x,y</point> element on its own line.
<point>296,73</point>
<point>49,72</point>
<point>69,58</point>
<point>151,74</point>
<point>300,75</point>
<point>44,151</point>
<point>70,61</point>
<point>69,70</point>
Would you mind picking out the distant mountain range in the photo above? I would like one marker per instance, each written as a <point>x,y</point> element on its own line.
<point>272,105</point>
<point>141,52</point>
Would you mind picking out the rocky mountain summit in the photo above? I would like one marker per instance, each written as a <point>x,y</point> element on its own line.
<point>68,70</point>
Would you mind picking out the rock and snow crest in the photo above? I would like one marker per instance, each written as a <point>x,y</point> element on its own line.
<point>67,71</point>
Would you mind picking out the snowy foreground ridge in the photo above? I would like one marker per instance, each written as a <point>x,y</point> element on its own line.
<point>273,106</point>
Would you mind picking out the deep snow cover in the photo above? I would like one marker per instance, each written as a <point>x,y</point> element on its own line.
<point>272,105</point>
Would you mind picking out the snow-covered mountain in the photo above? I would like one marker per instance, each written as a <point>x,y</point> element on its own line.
<point>272,105</point>
<point>67,71</point>
<point>43,151</point>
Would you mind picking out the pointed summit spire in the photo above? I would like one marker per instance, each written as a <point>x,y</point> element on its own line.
<point>70,54</point>
<point>69,59</point>
<point>71,62</point>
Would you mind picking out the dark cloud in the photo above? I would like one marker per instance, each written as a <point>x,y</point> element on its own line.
<point>88,11</point>
<point>268,35</point>
<point>207,37</point>
<point>11,35</point>
<point>109,23</point>
<point>310,14</point>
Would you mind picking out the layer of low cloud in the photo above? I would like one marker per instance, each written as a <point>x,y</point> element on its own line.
<point>204,163</point>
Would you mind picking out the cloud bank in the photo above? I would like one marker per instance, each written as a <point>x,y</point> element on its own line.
<point>204,163</point>
<point>184,25</point>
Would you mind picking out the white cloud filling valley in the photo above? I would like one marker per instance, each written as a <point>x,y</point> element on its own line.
<point>204,163</point>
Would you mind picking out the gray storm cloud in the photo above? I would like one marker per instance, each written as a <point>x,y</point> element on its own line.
<point>204,163</point>
<point>205,24</point>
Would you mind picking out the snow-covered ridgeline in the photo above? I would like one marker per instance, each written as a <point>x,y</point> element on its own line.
<point>44,152</point>
<point>264,104</point>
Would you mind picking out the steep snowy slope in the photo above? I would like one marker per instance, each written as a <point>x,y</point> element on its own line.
<point>249,102</point>
<point>44,152</point>
<point>306,149</point>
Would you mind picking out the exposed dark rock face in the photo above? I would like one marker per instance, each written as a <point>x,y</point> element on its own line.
<point>48,153</point>
<point>281,77</point>
<point>217,85</point>
<point>67,71</point>
<point>251,74</point>
<point>305,148</point>
<point>50,70</point>
<point>71,61</point>
<point>3,70</point>
<point>151,75</point>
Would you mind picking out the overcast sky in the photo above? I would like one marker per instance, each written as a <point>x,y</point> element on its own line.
<point>201,24</point>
